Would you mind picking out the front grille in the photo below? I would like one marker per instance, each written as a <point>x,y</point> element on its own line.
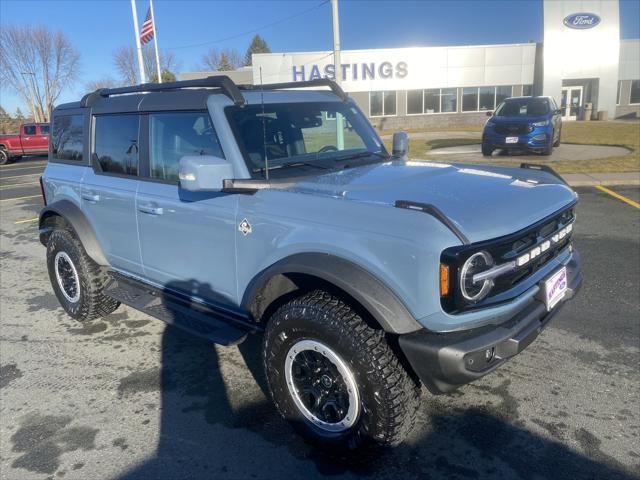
<point>508,249</point>
<point>513,129</point>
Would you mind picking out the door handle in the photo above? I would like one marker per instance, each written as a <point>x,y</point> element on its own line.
<point>91,197</point>
<point>150,209</point>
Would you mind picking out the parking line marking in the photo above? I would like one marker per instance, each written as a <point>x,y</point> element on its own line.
<point>28,220</point>
<point>19,198</point>
<point>618,196</point>
<point>18,176</point>
<point>2,187</point>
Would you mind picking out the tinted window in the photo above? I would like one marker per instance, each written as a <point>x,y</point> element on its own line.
<point>174,135</point>
<point>521,107</point>
<point>29,129</point>
<point>44,129</point>
<point>527,90</point>
<point>116,144</point>
<point>487,98</point>
<point>635,92</point>
<point>389,103</point>
<point>68,137</point>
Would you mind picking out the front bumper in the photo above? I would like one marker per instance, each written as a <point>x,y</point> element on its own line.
<point>539,139</point>
<point>445,361</point>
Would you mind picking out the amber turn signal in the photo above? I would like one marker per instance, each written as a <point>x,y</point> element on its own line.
<point>444,280</point>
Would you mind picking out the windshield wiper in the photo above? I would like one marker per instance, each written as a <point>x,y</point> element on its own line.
<point>367,153</point>
<point>292,164</point>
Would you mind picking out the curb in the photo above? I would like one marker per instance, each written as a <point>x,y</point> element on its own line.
<point>605,183</point>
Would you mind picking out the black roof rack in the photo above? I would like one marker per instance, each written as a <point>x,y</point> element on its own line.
<point>320,82</point>
<point>223,82</point>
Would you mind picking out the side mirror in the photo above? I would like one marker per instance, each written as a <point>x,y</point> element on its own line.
<point>400,144</point>
<point>204,172</point>
<point>489,113</point>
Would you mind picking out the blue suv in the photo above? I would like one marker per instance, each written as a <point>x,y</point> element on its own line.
<point>230,210</point>
<point>532,124</point>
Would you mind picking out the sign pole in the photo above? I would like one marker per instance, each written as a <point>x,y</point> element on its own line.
<point>337,70</point>
<point>137,33</point>
<point>155,41</point>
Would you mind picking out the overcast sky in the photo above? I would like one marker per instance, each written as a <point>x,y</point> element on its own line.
<point>189,28</point>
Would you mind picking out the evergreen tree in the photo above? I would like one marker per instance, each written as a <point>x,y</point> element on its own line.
<point>258,45</point>
<point>225,64</point>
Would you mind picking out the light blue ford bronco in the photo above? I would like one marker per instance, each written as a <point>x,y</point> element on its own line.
<point>232,210</point>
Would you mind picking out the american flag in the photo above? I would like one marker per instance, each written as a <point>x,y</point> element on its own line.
<point>146,34</point>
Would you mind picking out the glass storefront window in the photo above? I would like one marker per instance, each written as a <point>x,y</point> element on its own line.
<point>449,99</point>
<point>502,93</point>
<point>375,104</point>
<point>635,92</point>
<point>487,98</point>
<point>382,103</point>
<point>414,102</point>
<point>470,99</point>
<point>389,103</point>
<point>432,100</point>
<point>527,90</point>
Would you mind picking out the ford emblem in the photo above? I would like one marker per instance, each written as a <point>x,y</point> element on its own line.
<point>581,21</point>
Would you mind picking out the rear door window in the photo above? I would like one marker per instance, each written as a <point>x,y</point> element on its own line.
<point>44,129</point>
<point>178,134</point>
<point>67,141</point>
<point>116,143</point>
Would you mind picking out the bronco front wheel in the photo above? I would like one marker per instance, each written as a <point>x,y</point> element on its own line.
<point>335,378</point>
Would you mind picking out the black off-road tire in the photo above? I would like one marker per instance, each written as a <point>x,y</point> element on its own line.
<point>92,303</point>
<point>4,157</point>
<point>487,150</point>
<point>557,142</point>
<point>389,395</point>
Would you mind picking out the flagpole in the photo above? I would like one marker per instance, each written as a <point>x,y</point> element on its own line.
<point>155,41</point>
<point>137,32</point>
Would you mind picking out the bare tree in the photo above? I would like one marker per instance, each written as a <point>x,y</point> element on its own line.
<point>126,62</point>
<point>105,82</point>
<point>38,64</point>
<point>215,60</point>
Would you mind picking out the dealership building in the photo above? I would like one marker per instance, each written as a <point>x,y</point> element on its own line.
<point>582,63</point>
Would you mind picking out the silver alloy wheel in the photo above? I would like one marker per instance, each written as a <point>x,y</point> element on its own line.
<point>67,277</point>
<point>322,386</point>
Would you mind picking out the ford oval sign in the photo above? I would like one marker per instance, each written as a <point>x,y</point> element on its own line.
<point>581,21</point>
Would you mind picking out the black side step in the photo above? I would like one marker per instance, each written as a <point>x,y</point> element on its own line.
<point>217,325</point>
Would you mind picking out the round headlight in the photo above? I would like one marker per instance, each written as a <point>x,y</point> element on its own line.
<point>476,263</point>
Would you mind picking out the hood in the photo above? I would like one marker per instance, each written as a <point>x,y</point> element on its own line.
<point>483,201</point>
<point>518,119</point>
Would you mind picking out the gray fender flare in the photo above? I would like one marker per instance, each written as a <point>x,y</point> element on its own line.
<point>74,217</point>
<point>373,295</point>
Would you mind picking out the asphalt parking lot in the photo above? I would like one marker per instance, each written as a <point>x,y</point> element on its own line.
<point>126,397</point>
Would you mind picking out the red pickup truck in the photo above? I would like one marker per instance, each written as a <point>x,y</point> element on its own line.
<point>33,139</point>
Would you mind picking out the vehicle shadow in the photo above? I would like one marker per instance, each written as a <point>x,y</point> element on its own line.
<point>216,421</point>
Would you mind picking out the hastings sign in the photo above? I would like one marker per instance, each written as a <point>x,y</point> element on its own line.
<point>581,21</point>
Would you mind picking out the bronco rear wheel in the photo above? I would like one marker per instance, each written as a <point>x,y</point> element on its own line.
<point>335,378</point>
<point>77,280</point>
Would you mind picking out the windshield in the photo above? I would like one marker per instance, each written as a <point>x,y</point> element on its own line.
<point>303,135</point>
<point>523,107</point>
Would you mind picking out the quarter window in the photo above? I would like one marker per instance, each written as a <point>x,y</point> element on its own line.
<point>29,129</point>
<point>116,143</point>
<point>175,135</point>
<point>67,140</point>
<point>635,92</point>
<point>382,103</point>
